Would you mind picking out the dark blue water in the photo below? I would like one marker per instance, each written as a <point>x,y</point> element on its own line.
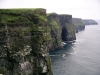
<point>81,57</point>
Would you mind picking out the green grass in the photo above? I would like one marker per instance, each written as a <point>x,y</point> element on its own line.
<point>70,28</point>
<point>43,18</point>
<point>20,11</point>
<point>54,25</point>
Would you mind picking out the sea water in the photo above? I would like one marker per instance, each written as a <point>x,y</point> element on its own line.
<point>81,57</point>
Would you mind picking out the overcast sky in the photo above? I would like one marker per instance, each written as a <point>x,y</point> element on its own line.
<point>86,9</point>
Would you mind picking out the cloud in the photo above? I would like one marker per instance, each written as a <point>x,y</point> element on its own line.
<point>78,8</point>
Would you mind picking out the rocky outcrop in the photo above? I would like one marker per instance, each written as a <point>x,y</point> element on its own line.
<point>24,37</point>
<point>79,25</point>
<point>62,29</point>
<point>89,22</point>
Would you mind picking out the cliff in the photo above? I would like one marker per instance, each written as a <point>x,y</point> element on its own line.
<point>68,29</point>
<point>24,37</point>
<point>79,25</point>
<point>62,29</point>
<point>89,22</point>
<point>53,20</point>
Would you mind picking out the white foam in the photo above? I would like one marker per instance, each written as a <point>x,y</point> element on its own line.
<point>72,53</point>
<point>73,47</point>
<point>63,56</point>
<point>54,55</point>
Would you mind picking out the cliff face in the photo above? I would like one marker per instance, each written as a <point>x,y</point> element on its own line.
<point>89,22</point>
<point>68,29</point>
<point>24,37</point>
<point>79,25</point>
<point>62,29</point>
<point>53,20</point>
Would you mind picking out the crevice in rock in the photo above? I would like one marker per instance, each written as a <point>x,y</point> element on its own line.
<point>64,34</point>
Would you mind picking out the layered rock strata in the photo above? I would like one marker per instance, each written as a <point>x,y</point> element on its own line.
<point>24,37</point>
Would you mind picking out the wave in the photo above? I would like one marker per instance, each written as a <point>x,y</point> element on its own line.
<point>54,55</point>
<point>72,53</point>
<point>73,47</point>
<point>79,41</point>
<point>63,56</point>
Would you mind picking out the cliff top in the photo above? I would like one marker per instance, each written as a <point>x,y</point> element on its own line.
<point>23,10</point>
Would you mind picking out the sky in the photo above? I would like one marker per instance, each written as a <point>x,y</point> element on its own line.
<point>85,9</point>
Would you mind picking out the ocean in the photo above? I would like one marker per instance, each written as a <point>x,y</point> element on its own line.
<point>81,57</point>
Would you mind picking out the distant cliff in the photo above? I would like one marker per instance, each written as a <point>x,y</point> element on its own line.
<point>62,29</point>
<point>24,37</point>
<point>79,25</point>
<point>89,22</point>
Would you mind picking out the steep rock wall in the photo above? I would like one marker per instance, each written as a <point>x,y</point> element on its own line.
<point>62,29</point>
<point>24,37</point>
<point>68,29</point>
<point>79,25</point>
<point>53,20</point>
